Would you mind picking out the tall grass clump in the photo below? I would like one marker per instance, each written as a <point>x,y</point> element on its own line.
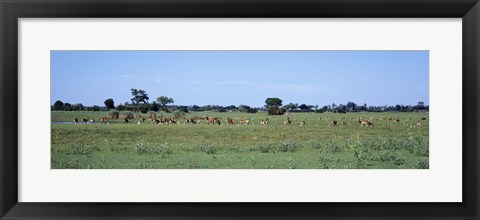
<point>206,148</point>
<point>128,114</point>
<point>114,114</point>
<point>332,146</point>
<point>79,149</point>
<point>265,148</point>
<point>422,164</point>
<point>287,146</point>
<point>161,150</point>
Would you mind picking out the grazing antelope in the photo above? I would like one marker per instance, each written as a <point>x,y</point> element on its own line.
<point>264,122</point>
<point>334,122</point>
<point>191,121</point>
<point>75,120</point>
<point>229,121</point>
<point>84,120</point>
<point>344,123</point>
<point>302,123</point>
<point>418,122</point>
<point>125,120</point>
<point>92,120</point>
<point>104,120</point>
<point>365,123</point>
<point>287,121</point>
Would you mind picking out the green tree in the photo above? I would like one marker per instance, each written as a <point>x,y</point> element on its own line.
<point>109,103</point>
<point>289,107</point>
<point>304,107</point>
<point>164,100</point>
<point>58,105</point>
<point>243,108</point>
<point>139,96</point>
<point>273,102</point>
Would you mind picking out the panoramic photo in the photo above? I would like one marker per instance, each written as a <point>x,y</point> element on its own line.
<point>239,109</point>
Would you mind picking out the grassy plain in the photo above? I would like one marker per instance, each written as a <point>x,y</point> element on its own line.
<point>317,145</point>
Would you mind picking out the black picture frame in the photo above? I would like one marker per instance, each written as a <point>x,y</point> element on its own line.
<point>12,10</point>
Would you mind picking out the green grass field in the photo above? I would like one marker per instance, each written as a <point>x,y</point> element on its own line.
<point>317,145</point>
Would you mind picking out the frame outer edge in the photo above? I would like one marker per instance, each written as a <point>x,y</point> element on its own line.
<point>3,206</point>
<point>471,115</point>
<point>7,201</point>
<point>2,212</point>
<point>8,108</point>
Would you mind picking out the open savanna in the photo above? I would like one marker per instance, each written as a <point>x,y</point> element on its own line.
<point>316,145</point>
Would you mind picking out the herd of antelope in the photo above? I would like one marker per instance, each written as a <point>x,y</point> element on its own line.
<point>167,120</point>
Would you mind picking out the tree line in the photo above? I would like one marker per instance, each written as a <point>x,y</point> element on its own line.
<point>273,105</point>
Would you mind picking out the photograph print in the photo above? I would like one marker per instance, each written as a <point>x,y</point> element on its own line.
<point>233,109</point>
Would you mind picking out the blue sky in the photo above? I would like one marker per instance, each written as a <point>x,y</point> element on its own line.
<point>242,77</point>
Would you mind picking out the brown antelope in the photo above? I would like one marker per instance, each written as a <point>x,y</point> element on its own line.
<point>84,120</point>
<point>229,121</point>
<point>334,122</point>
<point>75,120</point>
<point>191,121</point>
<point>264,122</point>
<point>104,120</point>
<point>287,121</point>
<point>302,123</point>
<point>365,123</point>
<point>419,122</point>
<point>125,120</point>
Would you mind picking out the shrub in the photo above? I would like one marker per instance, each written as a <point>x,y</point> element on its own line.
<point>288,146</point>
<point>178,114</point>
<point>114,114</point>
<point>275,110</point>
<point>252,110</point>
<point>265,148</point>
<point>141,148</point>
<point>152,115</point>
<point>128,114</point>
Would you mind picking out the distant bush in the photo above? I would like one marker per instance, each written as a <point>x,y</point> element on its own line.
<point>275,110</point>
<point>114,114</point>
<point>252,110</point>
<point>178,114</point>
<point>128,114</point>
<point>152,115</point>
